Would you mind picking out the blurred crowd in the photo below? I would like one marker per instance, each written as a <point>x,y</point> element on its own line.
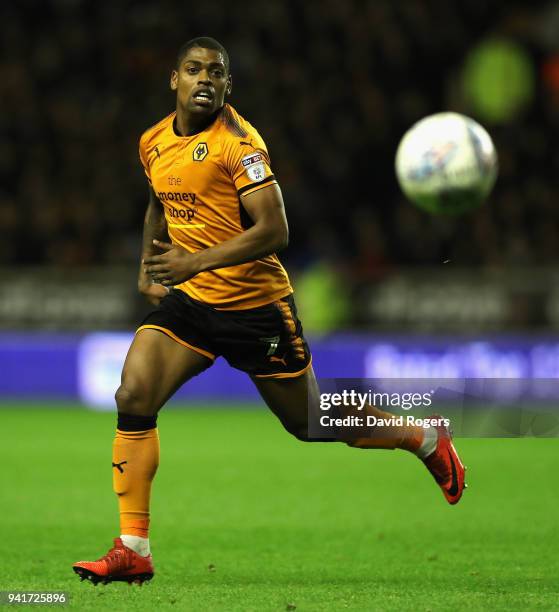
<point>331,85</point>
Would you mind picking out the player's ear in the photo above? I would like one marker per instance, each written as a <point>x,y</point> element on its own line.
<point>174,80</point>
<point>229,86</point>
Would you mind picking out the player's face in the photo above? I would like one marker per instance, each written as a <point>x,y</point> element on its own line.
<point>201,81</point>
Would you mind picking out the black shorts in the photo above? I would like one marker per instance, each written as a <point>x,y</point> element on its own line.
<point>265,342</point>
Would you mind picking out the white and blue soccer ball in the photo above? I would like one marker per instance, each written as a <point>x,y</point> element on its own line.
<point>446,163</point>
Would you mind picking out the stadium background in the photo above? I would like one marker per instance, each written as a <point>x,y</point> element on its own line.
<point>383,288</point>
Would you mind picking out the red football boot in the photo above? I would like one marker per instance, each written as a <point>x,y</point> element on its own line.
<point>445,465</point>
<point>120,564</point>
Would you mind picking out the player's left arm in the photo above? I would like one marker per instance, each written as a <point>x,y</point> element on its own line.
<point>269,234</point>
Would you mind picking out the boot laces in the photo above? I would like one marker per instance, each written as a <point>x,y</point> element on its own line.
<point>119,558</point>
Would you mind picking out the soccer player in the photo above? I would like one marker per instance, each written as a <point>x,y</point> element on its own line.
<point>214,223</point>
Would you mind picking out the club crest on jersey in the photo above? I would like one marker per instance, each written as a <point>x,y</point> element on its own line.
<point>254,164</point>
<point>200,152</point>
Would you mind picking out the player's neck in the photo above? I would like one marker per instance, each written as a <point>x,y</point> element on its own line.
<point>188,125</point>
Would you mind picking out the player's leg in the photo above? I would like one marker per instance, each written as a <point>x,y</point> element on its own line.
<point>293,400</point>
<point>155,367</point>
<point>268,343</point>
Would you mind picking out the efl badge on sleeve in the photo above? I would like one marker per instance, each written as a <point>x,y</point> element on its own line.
<point>255,169</point>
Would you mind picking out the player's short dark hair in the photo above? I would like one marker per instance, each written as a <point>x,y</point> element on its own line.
<point>204,42</point>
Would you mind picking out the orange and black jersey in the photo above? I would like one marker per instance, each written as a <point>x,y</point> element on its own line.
<point>199,180</point>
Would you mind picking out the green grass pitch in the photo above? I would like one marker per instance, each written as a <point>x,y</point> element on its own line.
<point>247,518</point>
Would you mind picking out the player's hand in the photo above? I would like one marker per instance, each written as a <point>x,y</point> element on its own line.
<point>153,292</point>
<point>174,266</point>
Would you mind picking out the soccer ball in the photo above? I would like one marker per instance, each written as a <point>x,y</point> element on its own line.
<point>446,163</point>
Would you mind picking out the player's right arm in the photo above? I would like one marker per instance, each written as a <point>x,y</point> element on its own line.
<point>155,228</point>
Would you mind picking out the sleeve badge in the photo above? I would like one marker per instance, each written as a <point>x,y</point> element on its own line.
<point>254,166</point>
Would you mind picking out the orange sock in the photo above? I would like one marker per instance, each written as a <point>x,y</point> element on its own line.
<point>135,461</point>
<point>406,437</point>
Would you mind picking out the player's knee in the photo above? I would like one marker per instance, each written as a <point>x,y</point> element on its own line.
<point>301,432</point>
<point>302,435</point>
<point>130,399</point>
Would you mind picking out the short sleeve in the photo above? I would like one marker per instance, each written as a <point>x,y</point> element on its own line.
<point>144,158</point>
<point>248,164</point>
